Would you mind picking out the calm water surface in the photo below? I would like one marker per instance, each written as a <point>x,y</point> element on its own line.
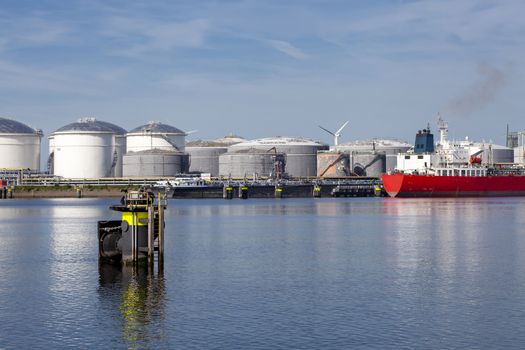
<point>271,274</point>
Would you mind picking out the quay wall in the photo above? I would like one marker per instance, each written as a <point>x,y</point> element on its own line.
<point>287,190</point>
<point>67,192</point>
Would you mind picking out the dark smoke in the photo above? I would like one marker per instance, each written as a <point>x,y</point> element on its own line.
<point>491,81</point>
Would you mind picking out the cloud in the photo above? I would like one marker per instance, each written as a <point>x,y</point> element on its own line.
<point>287,49</point>
<point>31,32</point>
<point>22,80</point>
<point>444,27</point>
<point>138,36</point>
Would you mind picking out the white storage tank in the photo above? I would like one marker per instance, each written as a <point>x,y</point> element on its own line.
<point>89,148</point>
<point>204,154</point>
<point>156,135</point>
<point>120,150</point>
<point>51,154</point>
<point>154,163</point>
<point>519,149</point>
<point>19,145</point>
<point>301,153</point>
<point>519,155</point>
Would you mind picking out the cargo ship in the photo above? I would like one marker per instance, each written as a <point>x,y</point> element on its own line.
<point>452,169</point>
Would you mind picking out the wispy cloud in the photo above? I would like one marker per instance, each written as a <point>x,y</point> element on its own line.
<point>287,49</point>
<point>138,36</point>
<point>444,27</point>
<point>33,31</point>
<point>24,79</point>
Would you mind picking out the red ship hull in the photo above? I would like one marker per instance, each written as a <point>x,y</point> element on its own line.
<point>403,185</point>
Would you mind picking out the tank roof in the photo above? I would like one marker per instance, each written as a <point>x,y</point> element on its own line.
<point>157,127</point>
<point>487,145</point>
<point>281,140</point>
<point>10,126</point>
<point>380,143</point>
<point>221,142</point>
<point>251,151</point>
<point>153,151</point>
<point>91,125</point>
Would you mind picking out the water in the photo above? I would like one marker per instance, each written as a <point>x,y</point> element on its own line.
<point>271,274</point>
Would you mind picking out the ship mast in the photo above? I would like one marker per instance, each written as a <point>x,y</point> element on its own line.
<point>443,129</point>
<point>443,149</point>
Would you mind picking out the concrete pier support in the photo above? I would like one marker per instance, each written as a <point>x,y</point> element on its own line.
<point>132,239</point>
<point>243,192</point>
<point>227,192</point>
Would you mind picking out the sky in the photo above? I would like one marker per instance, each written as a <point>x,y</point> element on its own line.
<point>261,68</point>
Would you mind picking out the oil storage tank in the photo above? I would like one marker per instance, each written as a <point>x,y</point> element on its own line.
<point>154,163</point>
<point>155,150</point>
<point>88,148</point>
<point>371,164</point>
<point>333,164</point>
<point>519,155</point>
<point>519,149</point>
<point>19,145</point>
<point>300,153</point>
<point>492,153</point>
<point>51,154</point>
<point>251,163</point>
<point>390,147</point>
<point>352,163</point>
<point>204,154</point>
<point>156,135</point>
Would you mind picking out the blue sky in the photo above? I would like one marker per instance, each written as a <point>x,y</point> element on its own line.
<point>267,68</point>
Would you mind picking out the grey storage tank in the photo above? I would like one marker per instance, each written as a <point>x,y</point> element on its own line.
<point>341,164</point>
<point>371,164</point>
<point>301,153</point>
<point>390,148</point>
<point>154,163</point>
<point>333,164</point>
<point>204,154</point>
<point>249,163</point>
<point>493,153</point>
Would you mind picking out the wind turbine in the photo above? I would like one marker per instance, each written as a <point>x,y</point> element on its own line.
<point>191,132</point>
<point>335,134</point>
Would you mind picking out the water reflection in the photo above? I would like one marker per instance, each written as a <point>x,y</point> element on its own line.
<point>137,296</point>
<point>449,243</point>
<point>276,207</point>
<point>426,233</point>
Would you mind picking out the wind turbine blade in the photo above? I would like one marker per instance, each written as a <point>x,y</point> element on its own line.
<point>328,131</point>
<point>342,127</point>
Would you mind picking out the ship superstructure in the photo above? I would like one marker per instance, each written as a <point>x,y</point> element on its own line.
<point>427,158</point>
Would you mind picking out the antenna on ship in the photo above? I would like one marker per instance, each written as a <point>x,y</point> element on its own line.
<point>335,134</point>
